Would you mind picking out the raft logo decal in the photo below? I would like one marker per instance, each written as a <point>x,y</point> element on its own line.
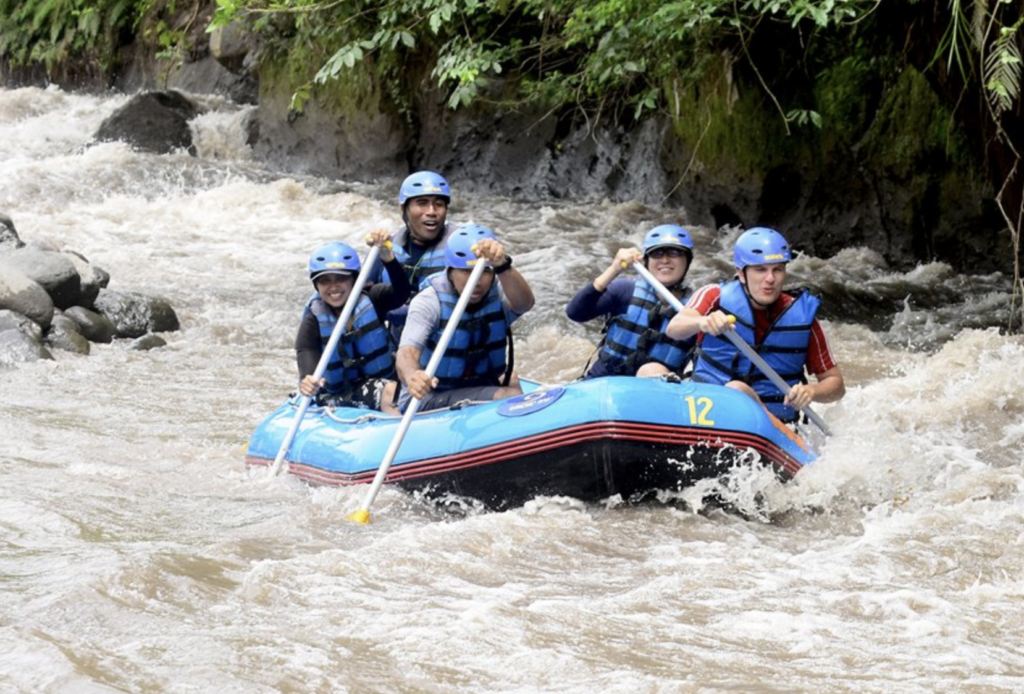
<point>530,402</point>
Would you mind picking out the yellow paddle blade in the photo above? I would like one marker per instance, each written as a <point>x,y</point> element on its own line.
<point>361,516</point>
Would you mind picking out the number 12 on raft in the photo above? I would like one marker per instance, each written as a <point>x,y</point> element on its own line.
<point>699,409</point>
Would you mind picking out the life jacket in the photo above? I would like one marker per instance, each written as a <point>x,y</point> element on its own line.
<point>430,262</point>
<point>364,350</point>
<point>476,352</point>
<point>418,272</point>
<point>638,336</point>
<point>784,347</point>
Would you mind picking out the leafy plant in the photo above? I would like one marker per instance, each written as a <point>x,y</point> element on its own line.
<point>1003,68</point>
<point>590,53</point>
<point>55,31</point>
<point>997,41</point>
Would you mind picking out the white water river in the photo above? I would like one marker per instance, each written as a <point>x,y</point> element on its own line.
<point>138,555</point>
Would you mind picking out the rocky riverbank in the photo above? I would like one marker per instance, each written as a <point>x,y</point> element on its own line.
<point>52,298</point>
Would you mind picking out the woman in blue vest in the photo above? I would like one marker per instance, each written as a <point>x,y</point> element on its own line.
<point>635,342</point>
<point>474,366</point>
<point>782,326</point>
<point>361,371</point>
<point>419,245</point>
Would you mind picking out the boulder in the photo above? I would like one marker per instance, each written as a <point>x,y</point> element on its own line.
<point>229,45</point>
<point>153,122</point>
<point>20,293</point>
<point>147,342</point>
<point>8,234</point>
<point>102,276</point>
<point>162,318</point>
<point>12,320</point>
<point>55,272</point>
<point>64,334</point>
<point>92,278</point>
<point>17,347</point>
<point>134,315</point>
<point>93,326</point>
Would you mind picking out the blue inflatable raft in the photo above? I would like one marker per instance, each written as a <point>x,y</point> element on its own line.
<point>589,440</point>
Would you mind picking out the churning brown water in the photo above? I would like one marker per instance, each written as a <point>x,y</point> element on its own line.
<point>138,555</point>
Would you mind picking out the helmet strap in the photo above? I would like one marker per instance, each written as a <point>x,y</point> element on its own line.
<point>746,290</point>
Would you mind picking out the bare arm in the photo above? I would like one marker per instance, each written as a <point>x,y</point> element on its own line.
<point>517,291</point>
<point>689,322</point>
<point>415,379</point>
<point>830,387</point>
<point>515,287</point>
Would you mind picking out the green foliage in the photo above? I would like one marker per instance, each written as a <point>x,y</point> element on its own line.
<point>987,32</point>
<point>822,14</point>
<point>958,42</point>
<point>804,117</point>
<point>55,31</point>
<point>846,92</point>
<point>1003,68</point>
<point>592,53</point>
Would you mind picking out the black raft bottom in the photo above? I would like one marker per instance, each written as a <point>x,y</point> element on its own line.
<point>589,471</point>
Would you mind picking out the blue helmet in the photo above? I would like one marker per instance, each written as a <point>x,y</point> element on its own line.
<point>334,259</point>
<point>760,246</point>
<point>458,250</point>
<point>668,236</point>
<point>423,183</point>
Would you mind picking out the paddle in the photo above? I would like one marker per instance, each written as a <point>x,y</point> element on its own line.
<point>738,342</point>
<point>362,515</point>
<point>325,358</point>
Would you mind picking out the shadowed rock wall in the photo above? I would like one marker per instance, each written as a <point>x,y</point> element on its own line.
<point>891,167</point>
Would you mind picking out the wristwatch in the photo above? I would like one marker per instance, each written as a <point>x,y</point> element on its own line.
<point>504,266</point>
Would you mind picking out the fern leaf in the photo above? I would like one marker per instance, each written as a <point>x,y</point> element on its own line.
<point>1003,72</point>
<point>42,15</point>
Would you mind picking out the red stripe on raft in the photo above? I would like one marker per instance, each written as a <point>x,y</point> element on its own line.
<point>595,431</point>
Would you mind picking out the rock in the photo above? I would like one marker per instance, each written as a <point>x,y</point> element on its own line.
<point>8,234</point>
<point>229,45</point>
<point>54,272</point>
<point>12,320</point>
<point>63,334</point>
<point>134,315</point>
<point>45,299</point>
<point>152,122</point>
<point>20,293</point>
<point>102,276</point>
<point>207,75</point>
<point>16,347</point>
<point>147,342</point>
<point>91,278</point>
<point>162,318</point>
<point>251,126</point>
<point>93,326</point>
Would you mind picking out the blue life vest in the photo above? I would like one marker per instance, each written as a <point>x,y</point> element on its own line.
<point>418,272</point>
<point>784,347</point>
<point>432,260</point>
<point>364,350</point>
<point>476,352</point>
<point>638,336</point>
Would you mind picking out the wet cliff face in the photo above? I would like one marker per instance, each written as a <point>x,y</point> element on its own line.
<point>885,170</point>
<point>890,167</point>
